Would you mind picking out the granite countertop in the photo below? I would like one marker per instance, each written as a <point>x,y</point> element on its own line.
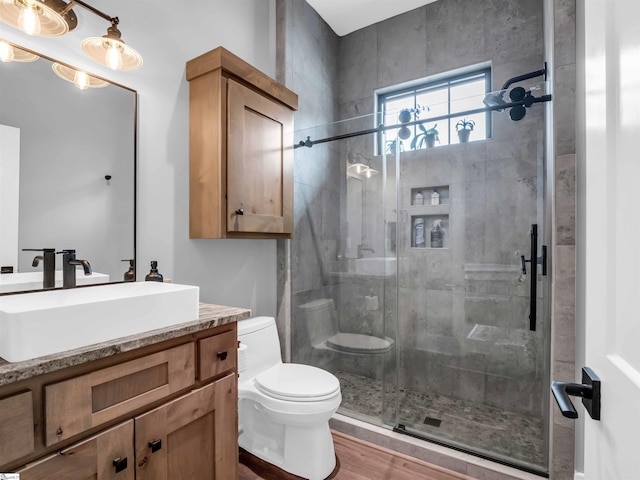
<point>210,316</point>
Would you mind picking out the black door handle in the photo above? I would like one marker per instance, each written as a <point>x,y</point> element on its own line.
<point>533,278</point>
<point>120,464</point>
<point>155,445</point>
<point>589,390</point>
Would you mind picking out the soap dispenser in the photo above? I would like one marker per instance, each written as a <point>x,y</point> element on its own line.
<point>130,275</point>
<point>153,275</point>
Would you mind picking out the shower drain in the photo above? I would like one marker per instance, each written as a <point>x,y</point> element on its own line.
<point>432,422</point>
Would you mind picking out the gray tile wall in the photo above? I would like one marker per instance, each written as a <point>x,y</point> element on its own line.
<point>562,27</point>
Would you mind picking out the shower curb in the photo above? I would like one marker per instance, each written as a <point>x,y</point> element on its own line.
<point>429,452</point>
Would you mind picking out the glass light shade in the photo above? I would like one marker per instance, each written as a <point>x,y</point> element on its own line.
<point>79,78</point>
<point>6,52</point>
<point>29,19</point>
<point>10,53</point>
<point>36,17</point>
<point>111,51</point>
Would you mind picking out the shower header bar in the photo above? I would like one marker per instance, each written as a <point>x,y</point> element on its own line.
<point>527,102</point>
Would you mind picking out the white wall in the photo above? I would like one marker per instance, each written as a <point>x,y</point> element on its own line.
<point>9,194</point>
<point>167,35</point>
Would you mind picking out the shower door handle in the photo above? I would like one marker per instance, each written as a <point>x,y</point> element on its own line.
<point>533,277</point>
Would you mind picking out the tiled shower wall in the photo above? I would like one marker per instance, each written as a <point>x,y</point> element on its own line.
<point>335,78</point>
<point>307,63</point>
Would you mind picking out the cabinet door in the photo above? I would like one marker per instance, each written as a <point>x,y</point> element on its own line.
<point>16,427</point>
<point>107,456</point>
<point>259,164</point>
<point>191,438</point>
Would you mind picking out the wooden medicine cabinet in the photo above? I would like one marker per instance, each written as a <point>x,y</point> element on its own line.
<point>240,150</point>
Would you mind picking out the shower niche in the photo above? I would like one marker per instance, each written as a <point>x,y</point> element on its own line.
<point>429,214</point>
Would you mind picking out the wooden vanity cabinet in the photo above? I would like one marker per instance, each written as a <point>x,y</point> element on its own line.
<point>240,150</point>
<point>169,413</point>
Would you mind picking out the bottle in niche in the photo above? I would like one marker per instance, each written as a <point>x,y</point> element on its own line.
<point>418,233</point>
<point>418,198</point>
<point>435,197</point>
<point>436,234</point>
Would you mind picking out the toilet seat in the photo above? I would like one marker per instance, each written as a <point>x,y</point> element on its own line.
<point>358,343</point>
<point>297,383</point>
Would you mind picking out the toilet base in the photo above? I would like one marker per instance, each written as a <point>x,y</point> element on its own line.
<point>250,463</point>
<point>306,451</point>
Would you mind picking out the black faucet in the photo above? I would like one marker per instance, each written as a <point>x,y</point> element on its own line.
<point>69,263</point>
<point>49,267</point>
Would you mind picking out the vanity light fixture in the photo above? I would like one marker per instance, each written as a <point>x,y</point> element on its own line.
<point>79,78</point>
<point>55,18</point>
<point>48,18</point>
<point>10,53</point>
<point>111,51</point>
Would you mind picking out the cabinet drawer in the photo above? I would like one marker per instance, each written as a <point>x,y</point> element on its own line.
<point>16,427</point>
<point>217,354</point>
<point>79,404</point>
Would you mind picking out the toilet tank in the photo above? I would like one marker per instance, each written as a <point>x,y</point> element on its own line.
<point>320,318</point>
<point>260,335</point>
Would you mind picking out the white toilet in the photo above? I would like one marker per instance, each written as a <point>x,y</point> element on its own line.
<point>322,325</point>
<point>284,409</point>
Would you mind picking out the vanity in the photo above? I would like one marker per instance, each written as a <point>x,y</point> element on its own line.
<point>155,405</point>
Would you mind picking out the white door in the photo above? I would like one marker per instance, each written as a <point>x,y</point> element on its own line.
<point>612,260</point>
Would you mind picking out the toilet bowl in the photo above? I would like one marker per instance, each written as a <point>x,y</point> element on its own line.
<point>322,326</point>
<point>284,409</point>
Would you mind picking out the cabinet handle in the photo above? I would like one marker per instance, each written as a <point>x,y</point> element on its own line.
<point>240,211</point>
<point>222,356</point>
<point>120,464</point>
<point>155,445</point>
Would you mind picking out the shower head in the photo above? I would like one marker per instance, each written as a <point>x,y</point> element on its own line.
<point>494,100</point>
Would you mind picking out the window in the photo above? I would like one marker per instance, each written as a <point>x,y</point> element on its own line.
<point>445,98</point>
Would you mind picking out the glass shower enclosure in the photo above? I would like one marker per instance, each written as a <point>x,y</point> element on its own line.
<point>417,279</point>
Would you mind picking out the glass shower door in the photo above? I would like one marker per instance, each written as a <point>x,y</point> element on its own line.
<point>471,372</point>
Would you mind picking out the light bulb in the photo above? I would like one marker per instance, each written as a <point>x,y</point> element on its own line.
<point>114,55</point>
<point>6,52</point>
<point>81,80</point>
<point>29,19</point>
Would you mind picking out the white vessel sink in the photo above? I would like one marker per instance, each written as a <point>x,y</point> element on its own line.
<point>41,323</point>
<point>21,282</point>
<point>375,266</point>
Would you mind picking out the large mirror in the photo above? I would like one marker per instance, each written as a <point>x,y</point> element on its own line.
<point>67,173</point>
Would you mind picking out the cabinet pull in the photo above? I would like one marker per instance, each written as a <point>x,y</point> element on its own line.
<point>155,445</point>
<point>222,356</point>
<point>120,464</point>
<point>240,211</point>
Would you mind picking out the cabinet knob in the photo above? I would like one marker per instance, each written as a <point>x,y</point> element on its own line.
<point>120,464</point>
<point>240,211</point>
<point>155,445</point>
<point>222,356</point>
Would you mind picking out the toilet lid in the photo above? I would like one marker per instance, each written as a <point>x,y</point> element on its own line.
<point>358,343</point>
<point>295,382</point>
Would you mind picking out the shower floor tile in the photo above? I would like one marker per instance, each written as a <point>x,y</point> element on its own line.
<point>481,428</point>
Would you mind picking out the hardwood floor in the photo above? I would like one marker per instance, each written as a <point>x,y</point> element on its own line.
<point>357,460</point>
